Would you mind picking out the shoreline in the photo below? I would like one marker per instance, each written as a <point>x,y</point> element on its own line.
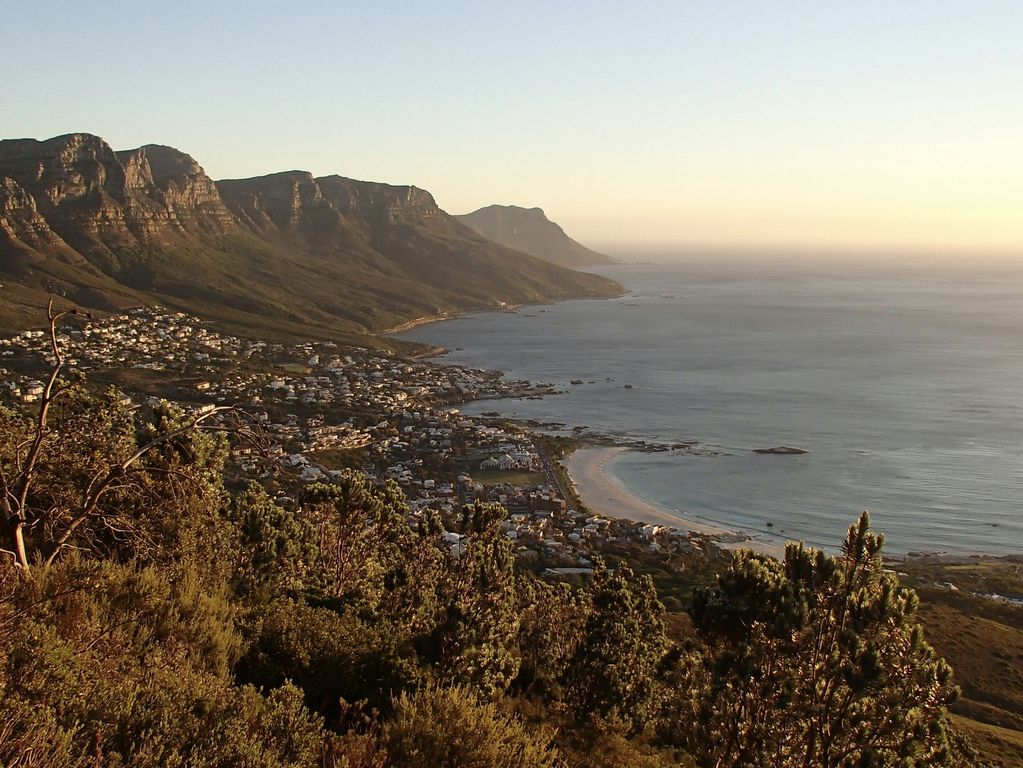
<point>589,471</point>
<point>590,474</point>
<point>417,322</point>
<point>408,325</point>
<point>459,314</point>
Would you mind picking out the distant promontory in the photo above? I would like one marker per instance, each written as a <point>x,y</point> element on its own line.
<point>530,231</point>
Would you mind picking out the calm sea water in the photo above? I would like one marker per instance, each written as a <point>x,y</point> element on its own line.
<point>905,387</point>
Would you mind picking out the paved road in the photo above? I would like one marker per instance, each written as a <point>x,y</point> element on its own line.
<point>547,467</point>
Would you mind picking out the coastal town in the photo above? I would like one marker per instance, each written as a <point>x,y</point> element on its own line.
<point>322,408</point>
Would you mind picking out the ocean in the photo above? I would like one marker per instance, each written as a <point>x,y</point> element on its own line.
<point>905,386</point>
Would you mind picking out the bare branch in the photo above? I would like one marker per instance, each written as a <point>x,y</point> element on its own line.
<point>59,525</point>
<point>26,470</point>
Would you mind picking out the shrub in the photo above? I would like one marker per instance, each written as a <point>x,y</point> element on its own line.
<point>452,728</point>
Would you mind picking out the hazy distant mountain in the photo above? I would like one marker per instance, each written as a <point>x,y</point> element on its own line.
<point>285,253</point>
<point>530,231</point>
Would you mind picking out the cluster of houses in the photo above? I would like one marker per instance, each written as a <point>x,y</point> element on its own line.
<point>316,401</point>
<point>28,391</point>
<point>224,368</point>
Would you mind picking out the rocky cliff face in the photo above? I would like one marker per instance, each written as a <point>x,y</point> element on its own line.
<point>280,201</point>
<point>94,225</point>
<point>295,202</point>
<point>100,202</point>
<point>77,185</point>
<point>374,200</point>
<point>173,191</point>
<point>22,227</point>
<point>530,231</point>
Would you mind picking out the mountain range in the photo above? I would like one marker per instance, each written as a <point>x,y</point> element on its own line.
<point>280,255</point>
<point>530,231</point>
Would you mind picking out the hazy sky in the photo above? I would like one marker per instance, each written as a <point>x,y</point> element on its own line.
<point>886,125</point>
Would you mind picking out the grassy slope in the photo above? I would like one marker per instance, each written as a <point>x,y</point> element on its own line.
<point>279,291</point>
<point>983,641</point>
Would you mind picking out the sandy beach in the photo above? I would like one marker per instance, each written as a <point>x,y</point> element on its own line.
<point>604,494</point>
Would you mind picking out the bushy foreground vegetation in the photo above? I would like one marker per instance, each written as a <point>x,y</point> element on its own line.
<point>150,617</point>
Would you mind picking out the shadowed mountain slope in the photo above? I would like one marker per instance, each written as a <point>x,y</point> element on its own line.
<point>285,254</point>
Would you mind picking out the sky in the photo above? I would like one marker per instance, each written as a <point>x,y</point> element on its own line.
<point>884,127</point>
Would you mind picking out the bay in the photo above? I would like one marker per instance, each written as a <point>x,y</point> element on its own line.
<point>904,385</point>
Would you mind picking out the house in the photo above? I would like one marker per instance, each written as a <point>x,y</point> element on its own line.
<point>523,458</point>
<point>454,541</point>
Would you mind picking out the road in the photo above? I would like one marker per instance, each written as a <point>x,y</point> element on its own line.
<point>547,467</point>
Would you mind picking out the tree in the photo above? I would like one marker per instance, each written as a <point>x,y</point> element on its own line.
<point>613,671</point>
<point>816,661</point>
<point>360,528</point>
<point>333,657</point>
<point>478,636</point>
<point>113,665</point>
<point>275,546</point>
<point>552,625</point>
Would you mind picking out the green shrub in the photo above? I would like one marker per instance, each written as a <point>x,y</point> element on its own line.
<point>452,728</point>
<point>330,656</point>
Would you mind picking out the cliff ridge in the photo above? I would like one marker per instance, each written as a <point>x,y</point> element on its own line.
<point>283,252</point>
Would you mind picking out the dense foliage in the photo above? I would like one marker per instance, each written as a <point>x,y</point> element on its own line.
<point>817,661</point>
<point>169,622</point>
